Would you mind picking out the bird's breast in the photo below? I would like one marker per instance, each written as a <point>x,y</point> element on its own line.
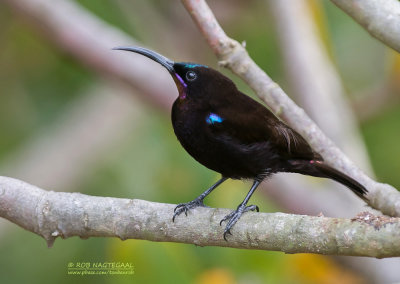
<point>189,128</point>
<point>195,129</point>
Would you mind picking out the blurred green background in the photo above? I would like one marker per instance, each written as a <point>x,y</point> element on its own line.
<point>40,83</point>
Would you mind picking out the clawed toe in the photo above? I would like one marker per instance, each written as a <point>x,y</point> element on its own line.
<point>198,202</point>
<point>227,217</point>
<point>181,207</point>
<point>225,233</point>
<point>185,207</point>
<point>252,208</point>
<point>231,218</point>
<point>234,216</point>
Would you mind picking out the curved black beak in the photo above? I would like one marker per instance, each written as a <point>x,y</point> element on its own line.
<point>167,63</point>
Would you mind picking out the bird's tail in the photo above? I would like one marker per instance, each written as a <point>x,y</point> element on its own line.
<point>320,169</point>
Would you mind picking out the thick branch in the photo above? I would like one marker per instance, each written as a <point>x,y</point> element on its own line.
<point>59,214</point>
<point>380,18</point>
<point>234,56</point>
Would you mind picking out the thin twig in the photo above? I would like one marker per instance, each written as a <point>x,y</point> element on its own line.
<point>314,79</point>
<point>317,86</point>
<point>92,50</point>
<point>90,40</point>
<point>234,56</point>
<point>380,18</point>
<point>62,154</point>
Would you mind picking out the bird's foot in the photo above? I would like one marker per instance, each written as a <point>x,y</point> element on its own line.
<point>185,207</point>
<point>234,216</point>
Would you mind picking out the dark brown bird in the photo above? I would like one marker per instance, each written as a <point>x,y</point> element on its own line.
<point>230,133</point>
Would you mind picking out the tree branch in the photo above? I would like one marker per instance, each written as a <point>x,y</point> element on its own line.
<point>86,130</point>
<point>316,85</point>
<point>90,40</point>
<point>84,26</point>
<point>60,23</point>
<point>78,36</point>
<point>233,55</point>
<point>58,214</point>
<point>313,78</point>
<point>380,18</point>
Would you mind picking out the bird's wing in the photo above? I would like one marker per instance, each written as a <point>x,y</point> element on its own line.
<point>246,122</point>
<point>296,146</point>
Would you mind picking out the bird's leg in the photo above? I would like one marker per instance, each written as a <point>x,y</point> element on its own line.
<point>185,207</point>
<point>234,216</point>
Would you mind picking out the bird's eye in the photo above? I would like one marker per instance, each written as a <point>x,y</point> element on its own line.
<point>191,75</point>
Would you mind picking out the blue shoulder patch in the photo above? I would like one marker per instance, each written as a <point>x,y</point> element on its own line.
<point>192,65</point>
<point>213,118</point>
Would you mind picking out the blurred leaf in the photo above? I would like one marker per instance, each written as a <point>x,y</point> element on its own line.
<point>215,276</point>
<point>311,268</point>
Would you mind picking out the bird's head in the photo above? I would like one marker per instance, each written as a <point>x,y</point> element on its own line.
<point>187,76</point>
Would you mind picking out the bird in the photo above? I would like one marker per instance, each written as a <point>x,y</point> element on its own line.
<point>234,135</point>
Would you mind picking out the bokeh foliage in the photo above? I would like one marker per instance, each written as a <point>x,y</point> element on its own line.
<point>39,82</point>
